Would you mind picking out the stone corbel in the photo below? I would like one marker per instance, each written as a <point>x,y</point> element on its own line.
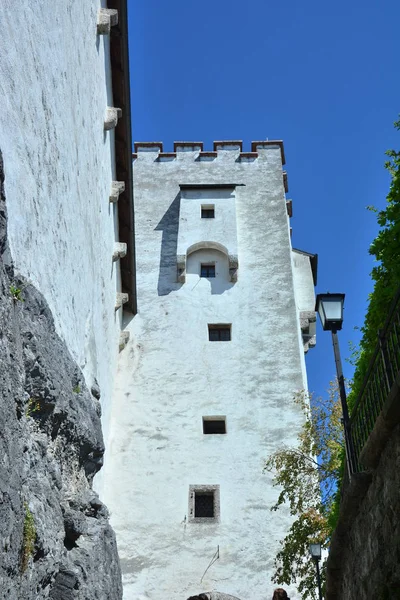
<point>181,268</point>
<point>123,340</point>
<point>233,267</point>
<point>308,343</point>
<point>308,321</point>
<point>117,187</point>
<point>120,250</point>
<point>121,299</point>
<point>106,18</point>
<point>111,117</point>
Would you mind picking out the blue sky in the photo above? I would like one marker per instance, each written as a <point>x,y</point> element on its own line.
<point>322,76</point>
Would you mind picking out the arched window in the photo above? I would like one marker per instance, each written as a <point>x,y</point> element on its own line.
<point>207,254</point>
<point>211,265</point>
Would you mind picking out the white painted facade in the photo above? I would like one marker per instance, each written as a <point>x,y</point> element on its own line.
<point>55,84</point>
<point>193,229</point>
<point>171,375</point>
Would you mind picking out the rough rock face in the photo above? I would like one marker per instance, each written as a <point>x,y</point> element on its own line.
<point>55,538</point>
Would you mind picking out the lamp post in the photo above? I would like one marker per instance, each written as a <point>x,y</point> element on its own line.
<point>330,310</point>
<point>315,551</point>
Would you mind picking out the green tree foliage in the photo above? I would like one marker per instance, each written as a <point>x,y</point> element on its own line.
<point>301,478</point>
<point>386,274</point>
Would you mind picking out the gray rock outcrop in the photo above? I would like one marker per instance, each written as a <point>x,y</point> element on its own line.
<point>55,538</point>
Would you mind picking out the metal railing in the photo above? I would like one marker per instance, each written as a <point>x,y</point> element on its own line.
<point>382,372</point>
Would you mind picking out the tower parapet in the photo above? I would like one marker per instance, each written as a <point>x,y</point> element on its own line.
<point>195,150</point>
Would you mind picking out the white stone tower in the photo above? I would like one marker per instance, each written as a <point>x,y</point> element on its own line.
<point>205,387</point>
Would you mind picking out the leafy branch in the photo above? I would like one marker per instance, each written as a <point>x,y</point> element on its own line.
<point>307,476</point>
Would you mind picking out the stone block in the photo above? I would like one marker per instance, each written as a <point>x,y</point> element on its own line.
<point>120,250</point>
<point>121,299</point>
<point>111,117</point>
<point>117,187</point>
<point>123,340</point>
<point>181,268</point>
<point>106,18</point>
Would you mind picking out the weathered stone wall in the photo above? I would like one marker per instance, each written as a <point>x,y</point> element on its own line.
<point>370,555</point>
<point>51,446</point>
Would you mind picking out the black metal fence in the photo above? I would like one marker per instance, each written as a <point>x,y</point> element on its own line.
<point>382,372</point>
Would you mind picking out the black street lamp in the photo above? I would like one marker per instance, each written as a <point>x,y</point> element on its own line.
<point>315,551</point>
<point>330,310</point>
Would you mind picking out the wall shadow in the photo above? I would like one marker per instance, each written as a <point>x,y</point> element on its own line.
<point>169,225</point>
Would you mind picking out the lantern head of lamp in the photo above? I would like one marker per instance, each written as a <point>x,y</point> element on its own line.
<point>330,310</point>
<point>315,551</point>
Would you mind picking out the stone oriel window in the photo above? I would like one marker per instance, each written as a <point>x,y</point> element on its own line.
<point>219,332</point>
<point>204,503</point>
<point>207,270</point>
<point>214,425</point>
<point>208,211</point>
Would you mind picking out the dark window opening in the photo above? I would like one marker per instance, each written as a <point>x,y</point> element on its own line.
<point>207,271</point>
<point>211,426</point>
<point>219,333</point>
<point>207,213</point>
<point>204,504</point>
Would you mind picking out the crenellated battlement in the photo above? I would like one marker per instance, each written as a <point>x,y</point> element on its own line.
<point>195,150</point>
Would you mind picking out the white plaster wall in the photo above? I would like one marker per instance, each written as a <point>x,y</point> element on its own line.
<point>55,84</point>
<point>305,298</point>
<point>193,229</point>
<point>171,376</point>
<point>303,282</point>
<point>216,285</point>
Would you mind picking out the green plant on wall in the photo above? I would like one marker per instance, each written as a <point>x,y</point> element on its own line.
<point>28,538</point>
<point>33,407</point>
<point>77,389</point>
<point>16,293</point>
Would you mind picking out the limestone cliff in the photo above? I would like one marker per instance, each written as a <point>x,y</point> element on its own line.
<point>55,538</point>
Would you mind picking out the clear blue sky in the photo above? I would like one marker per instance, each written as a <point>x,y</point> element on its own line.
<point>322,76</point>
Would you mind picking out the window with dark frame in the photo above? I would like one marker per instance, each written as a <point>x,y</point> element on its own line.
<point>214,425</point>
<point>207,212</point>
<point>219,333</point>
<point>204,505</point>
<point>207,270</point>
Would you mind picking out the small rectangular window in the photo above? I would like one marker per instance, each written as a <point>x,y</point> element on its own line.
<point>207,271</point>
<point>204,504</point>
<point>214,425</point>
<point>208,211</point>
<point>219,333</point>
